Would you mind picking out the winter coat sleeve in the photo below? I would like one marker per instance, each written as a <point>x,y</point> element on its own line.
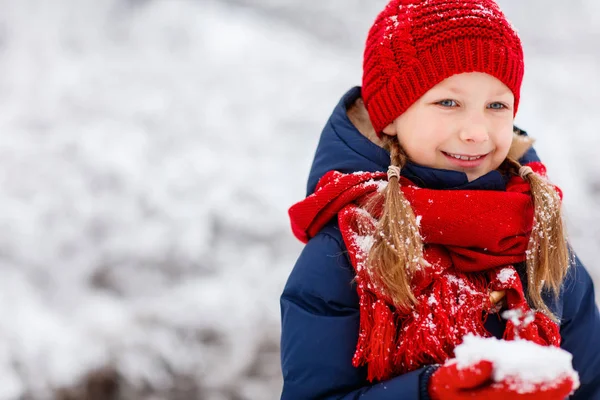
<point>320,323</point>
<point>580,330</point>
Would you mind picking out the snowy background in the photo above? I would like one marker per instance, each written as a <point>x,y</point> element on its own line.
<point>149,150</point>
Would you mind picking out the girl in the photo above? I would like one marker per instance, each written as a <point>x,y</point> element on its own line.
<point>400,266</point>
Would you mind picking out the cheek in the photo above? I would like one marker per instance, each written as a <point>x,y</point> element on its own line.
<point>421,133</point>
<point>506,141</point>
<point>416,143</point>
<point>427,133</point>
<point>503,144</point>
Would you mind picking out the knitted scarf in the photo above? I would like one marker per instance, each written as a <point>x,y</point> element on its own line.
<point>472,239</point>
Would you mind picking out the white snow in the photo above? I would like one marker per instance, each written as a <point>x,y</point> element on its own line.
<point>525,361</point>
<point>506,274</point>
<point>364,242</point>
<point>519,318</point>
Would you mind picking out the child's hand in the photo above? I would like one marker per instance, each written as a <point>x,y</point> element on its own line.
<point>476,382</point>
<point>487,368</point>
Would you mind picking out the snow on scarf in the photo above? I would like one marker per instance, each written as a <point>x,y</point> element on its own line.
<point>471,240</point>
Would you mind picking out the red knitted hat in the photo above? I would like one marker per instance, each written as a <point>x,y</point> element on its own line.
<point>415,44</point>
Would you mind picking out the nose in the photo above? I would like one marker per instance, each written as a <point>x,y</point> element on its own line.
<point>474,129</point>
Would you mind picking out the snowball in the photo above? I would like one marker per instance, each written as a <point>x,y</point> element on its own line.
<point>526,361</point>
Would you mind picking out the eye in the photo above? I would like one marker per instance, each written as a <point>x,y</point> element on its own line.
<point>447,103</point>
<point>497,106</point>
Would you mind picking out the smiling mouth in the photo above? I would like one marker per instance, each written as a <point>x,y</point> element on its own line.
<point>464,157</point>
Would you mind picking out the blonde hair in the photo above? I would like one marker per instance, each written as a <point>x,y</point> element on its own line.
<point>398,248</point>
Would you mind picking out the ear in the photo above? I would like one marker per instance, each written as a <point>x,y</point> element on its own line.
<point>390,129</point>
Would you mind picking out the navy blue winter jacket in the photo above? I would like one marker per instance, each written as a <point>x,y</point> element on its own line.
<point>319,305</point>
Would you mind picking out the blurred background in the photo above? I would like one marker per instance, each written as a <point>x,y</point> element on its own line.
<point>149,150</point>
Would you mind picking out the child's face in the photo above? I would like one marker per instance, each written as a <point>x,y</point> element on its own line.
<point>467,115</point>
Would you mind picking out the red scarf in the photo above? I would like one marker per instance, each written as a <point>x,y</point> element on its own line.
<point>472,239</point>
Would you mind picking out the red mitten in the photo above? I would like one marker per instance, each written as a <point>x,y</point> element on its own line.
<point>450,382</point>
<point>476,382</point>
<point>516,388</point>
<point>450,378</point>
<point>491,369</point>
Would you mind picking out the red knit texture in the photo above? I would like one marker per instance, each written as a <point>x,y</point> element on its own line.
<point>414,45</point>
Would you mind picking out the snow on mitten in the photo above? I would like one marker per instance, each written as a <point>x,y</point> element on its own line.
<point>488,368</point>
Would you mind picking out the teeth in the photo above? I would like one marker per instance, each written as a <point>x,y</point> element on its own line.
<point>465,158</point>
